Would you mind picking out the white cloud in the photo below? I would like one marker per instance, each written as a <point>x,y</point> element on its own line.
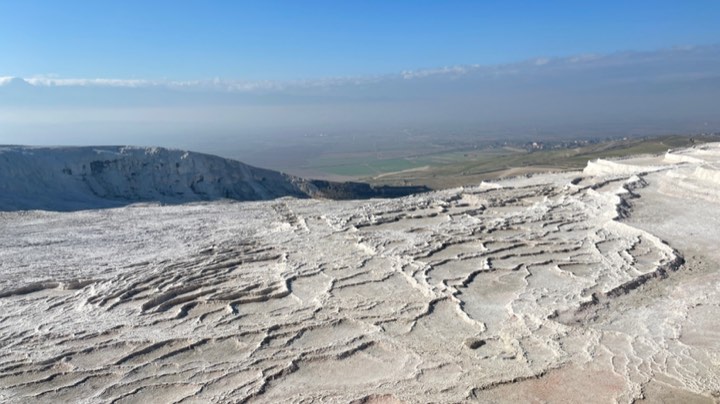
<point>541,64</point>
<point>446,70</point>
<point>6,80</point>
<point>589,57</point>
<point>99,82</point>
<point>215,84</point>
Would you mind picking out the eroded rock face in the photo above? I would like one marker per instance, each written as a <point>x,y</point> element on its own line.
<point>529,289</point>
<point>77,178</point>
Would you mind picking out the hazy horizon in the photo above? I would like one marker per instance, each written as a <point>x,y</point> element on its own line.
<point>622,93</point>
<point>223,78</point>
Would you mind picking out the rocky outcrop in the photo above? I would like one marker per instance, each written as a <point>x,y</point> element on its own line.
<point>96,177</point>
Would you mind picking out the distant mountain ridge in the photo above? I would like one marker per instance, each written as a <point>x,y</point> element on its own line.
<point>76,178</point>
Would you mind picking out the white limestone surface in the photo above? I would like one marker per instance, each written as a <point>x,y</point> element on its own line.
<point>555,288</point>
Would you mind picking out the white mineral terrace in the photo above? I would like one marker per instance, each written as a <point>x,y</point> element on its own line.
<point>596,286</point>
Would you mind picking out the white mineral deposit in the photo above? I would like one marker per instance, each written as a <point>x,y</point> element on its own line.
<point>598,286</point>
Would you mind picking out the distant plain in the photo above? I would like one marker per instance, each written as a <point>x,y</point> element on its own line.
<point>443,162</point>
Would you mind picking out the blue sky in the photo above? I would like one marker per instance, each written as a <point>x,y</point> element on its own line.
<point>286,40</point>
<point>192,74</point>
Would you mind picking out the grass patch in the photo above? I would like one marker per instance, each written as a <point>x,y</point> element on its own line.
<point>468,168</point>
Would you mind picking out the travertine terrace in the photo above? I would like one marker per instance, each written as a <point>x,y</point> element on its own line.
<point>594,286</point>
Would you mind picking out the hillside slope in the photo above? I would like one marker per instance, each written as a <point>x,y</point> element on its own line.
<point>75,178</point>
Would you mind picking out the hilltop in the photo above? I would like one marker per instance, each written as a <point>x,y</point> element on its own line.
<point>75,178</point>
